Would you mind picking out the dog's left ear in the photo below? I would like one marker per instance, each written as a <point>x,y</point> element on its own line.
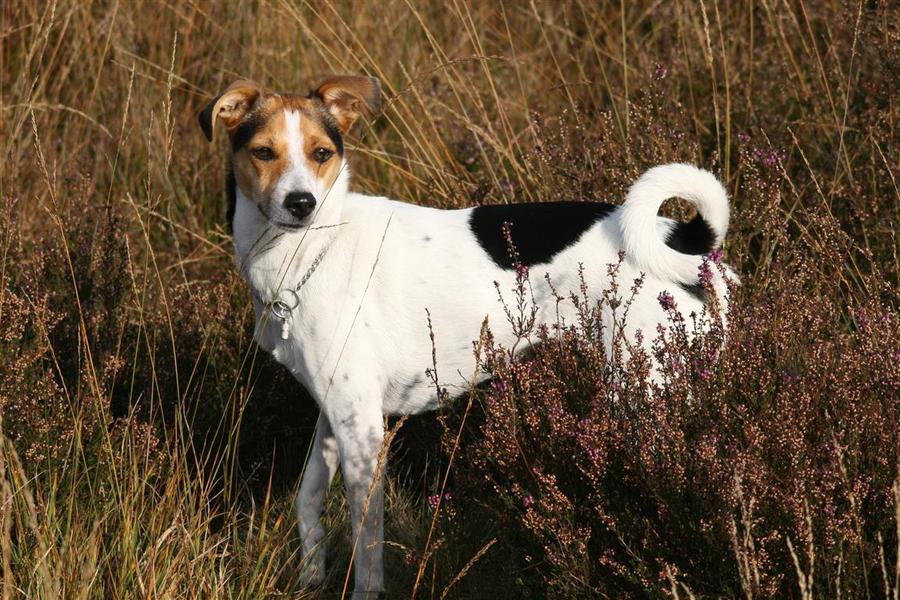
<point>230,106</point>
<point>347,97</point>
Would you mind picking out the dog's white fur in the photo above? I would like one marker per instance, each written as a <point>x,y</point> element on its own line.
<point>359,340</point>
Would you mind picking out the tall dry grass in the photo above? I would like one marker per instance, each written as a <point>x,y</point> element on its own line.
<point>148,449</point>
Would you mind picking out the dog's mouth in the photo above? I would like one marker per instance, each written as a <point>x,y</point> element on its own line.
<point>291,225</point>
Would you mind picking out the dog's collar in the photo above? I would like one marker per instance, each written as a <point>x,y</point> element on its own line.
<point>286,301</point>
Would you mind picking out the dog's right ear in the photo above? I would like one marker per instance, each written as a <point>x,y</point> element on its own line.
<point>230,106</point>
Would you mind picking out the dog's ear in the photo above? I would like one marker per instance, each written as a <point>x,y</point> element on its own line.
<point>347,97</point>
<point>230,106</point>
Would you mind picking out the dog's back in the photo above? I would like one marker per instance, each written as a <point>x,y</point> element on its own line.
<point>448,266</point>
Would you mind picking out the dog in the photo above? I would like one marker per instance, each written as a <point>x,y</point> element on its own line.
<point>345,285</point>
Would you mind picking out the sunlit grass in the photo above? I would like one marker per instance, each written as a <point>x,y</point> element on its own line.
<point>149,449</point>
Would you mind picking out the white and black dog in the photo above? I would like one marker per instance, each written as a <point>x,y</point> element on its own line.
<point>341,281</point>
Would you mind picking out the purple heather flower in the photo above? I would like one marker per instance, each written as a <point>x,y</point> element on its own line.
<point>705,271</point>
<point>770,157</point>
<point>743,136</point>
<point>434,500</point>
<point>717,255</point>
<point>666,300</point>
<point>527,500</point>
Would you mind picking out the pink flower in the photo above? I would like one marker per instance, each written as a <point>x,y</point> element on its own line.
<point>705,271</point>
<point>666,300</point>
<point>435,499</point>
<point>770,157</point>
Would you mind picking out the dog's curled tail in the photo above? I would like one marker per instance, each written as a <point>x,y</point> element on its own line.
<point>644,239</point>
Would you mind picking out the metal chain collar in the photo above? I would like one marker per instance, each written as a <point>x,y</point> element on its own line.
<point>283,309</point>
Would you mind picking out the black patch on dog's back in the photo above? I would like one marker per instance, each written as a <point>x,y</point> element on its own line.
<point>693,237</point>
<point>539,231</point>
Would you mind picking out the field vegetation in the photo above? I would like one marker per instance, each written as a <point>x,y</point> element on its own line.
<point>148,449</point>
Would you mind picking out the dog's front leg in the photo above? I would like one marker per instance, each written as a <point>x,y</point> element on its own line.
<point>359,430</point>
<point>319,471</point>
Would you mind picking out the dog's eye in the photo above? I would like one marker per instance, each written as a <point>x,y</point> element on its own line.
<point>321,155</point>
<point>263,153</point>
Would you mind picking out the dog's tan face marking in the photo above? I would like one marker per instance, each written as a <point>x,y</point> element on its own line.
<point>287,150</point>
<point>286,145</point>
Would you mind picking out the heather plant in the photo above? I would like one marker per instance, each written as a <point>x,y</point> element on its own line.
<point>147,448</point>
<point>724,475</point>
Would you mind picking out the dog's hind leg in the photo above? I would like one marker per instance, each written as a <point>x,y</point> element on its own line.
<point>320,469</point>
<point>359,429</point>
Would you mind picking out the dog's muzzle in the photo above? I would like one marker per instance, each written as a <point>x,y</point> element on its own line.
<point>300,204</point>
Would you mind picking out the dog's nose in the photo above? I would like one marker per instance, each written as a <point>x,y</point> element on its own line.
<point>300,204</point>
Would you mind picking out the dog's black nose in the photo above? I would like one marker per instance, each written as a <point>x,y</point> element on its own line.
<point>300,204</point>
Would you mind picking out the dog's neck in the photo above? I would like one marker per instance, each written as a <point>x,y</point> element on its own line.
<point>271,258</point>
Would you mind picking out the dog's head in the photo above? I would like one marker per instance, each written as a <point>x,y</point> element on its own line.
<point>287,151</point>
